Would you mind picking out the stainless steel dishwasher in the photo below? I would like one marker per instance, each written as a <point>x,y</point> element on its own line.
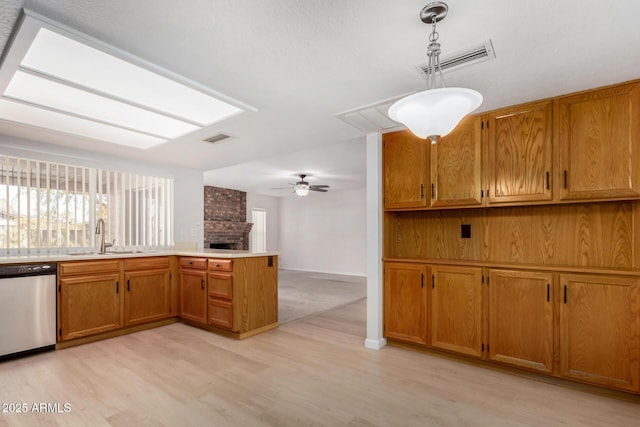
<point>27,309</point>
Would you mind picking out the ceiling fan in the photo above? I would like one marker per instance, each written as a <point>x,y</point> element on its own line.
<point>302,187</point>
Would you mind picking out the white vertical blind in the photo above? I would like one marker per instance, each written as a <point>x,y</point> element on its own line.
<point>53,208</point>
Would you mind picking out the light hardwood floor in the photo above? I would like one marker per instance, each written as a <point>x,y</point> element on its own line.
<point>311,372</point>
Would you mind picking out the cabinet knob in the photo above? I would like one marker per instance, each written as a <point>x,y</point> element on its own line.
<point>217,265</point>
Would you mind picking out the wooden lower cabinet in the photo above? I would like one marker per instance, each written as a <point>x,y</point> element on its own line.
<point>147,296</point>
<point>521,319</point>
<point>221,300</point>
<point>193,295</point>
<point>148,290</point>
<point>456,309</point>
<point>238,295</point>
<point>221,313</point>
<point>600,329</point>
<point>405,302</point>
<point>89,305</point>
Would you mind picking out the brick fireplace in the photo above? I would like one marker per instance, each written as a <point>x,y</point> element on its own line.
<point>225,219</point>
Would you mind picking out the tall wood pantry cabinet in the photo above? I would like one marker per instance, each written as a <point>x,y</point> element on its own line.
<point>528,237</point>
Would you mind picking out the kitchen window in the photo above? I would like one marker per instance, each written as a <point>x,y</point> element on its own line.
<point>53,208</point>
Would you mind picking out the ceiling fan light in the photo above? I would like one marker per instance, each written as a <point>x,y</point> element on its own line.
<point>302,191</point>
<point>434,113</point>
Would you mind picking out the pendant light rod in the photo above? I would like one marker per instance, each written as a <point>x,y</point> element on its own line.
<point>435,111</point>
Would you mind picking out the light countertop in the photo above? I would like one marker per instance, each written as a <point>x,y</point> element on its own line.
<point>209,253</point>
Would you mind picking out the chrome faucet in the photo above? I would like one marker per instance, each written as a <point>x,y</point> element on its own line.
<point>100,231</point>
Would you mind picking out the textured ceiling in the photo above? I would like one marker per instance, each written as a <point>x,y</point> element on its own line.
<point>300,63</point>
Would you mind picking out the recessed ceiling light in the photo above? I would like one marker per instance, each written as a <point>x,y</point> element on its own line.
<point>70,82</point>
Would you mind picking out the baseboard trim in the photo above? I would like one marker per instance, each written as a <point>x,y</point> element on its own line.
<point>302,270</point>
<point>375,344</point>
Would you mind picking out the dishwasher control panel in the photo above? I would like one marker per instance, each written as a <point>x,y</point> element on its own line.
<point>22,270</point>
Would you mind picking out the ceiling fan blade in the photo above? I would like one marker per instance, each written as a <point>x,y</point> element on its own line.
<point>318,189</point>
<point>281,188</point>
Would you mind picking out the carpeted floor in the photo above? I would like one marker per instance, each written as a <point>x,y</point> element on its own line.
<point>302,294</point>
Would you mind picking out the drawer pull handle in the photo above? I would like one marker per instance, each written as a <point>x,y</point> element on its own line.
<point>217,265</point>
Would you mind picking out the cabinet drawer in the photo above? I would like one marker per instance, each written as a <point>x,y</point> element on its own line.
<point>220,264</point>
<point>221,285</point>
<point>146,263</point>
<point>199,263</point>
<point>88,267</point>
<point>220,313</point>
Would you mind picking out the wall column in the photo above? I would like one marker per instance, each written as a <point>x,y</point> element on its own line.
<point>375,339</point>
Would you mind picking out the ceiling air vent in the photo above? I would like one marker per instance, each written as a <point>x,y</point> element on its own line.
<point>371,117</point>
<point>483,52</point>
<point>217,138</point>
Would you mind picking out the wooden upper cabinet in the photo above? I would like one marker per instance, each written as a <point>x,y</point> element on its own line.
<point>456,166</point>
<point>456,309</point>
<point>600,330</point>
<point>521,319</point>
<point>519,153</point>
<point>405,170</point>
<point>405,302</point>
<point>598,140</point>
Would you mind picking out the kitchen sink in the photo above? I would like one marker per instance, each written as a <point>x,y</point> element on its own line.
<point>106,253</point>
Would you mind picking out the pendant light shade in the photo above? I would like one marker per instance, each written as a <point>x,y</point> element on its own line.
<point>434,113</point>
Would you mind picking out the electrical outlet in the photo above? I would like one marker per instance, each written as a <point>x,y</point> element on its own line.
<point>465,231</point>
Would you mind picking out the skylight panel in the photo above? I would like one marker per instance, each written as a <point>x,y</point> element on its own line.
<point>29,115</point>
<point>51,94</point>
<point>67,59</point>
<point>56,78</point>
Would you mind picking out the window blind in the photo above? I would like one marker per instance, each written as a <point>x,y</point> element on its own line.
<point>53,208</point>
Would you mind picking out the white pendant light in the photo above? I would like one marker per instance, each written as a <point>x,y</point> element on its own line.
<point>435,111</point>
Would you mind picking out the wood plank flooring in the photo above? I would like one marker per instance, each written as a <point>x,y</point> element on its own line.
<point>311,372</point>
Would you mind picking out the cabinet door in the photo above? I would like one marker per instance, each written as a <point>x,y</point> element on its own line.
<point>405,170</point>
<point>598,142</point>
<point>405,302</point>
<point>89,305</point>
<point>456,166</point>
<point>221,313</point>
<point>521,319</point>
<point>519,153</point>
<point>600,330</point>
<point>456,309</point>
<point>147,297</point>
<point>193,292</point>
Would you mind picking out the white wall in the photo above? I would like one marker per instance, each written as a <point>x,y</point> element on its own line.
<point>188,184</point>
<point>272,206</point>
<point>324,232</point>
